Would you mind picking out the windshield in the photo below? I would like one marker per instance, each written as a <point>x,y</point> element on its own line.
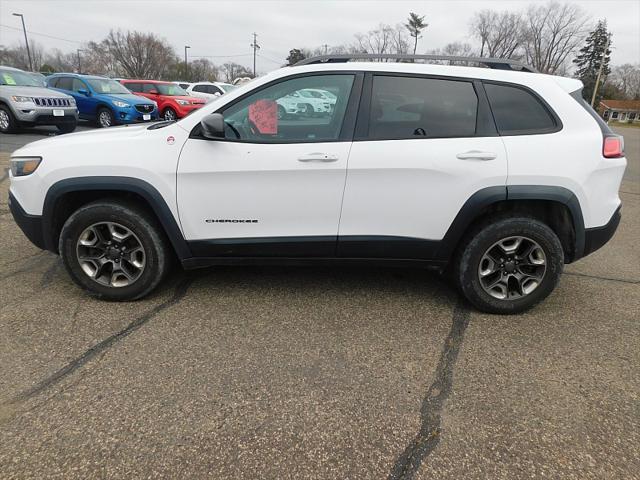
<point>18,78</point>
<point>171,89</point>
<point>106,85</point>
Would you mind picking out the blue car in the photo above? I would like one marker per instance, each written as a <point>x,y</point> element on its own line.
<point>103,100</point>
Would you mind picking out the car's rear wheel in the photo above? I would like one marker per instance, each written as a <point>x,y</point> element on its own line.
<point>169,114</point>
<point>8,123</point>
<point>510,265</point>
<point>114,250</point>
<point>282,113</point>
<point>105,118</point>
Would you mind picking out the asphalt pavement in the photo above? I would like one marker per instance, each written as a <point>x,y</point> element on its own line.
<point>322,373</point>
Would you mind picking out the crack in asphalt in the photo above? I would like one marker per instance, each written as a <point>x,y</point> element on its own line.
<point>89,354</point>
<point>427,439</point>
<point>611,279</point>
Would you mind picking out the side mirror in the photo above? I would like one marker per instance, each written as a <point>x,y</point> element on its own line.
<point>213,126</point>
<point>84,92</point>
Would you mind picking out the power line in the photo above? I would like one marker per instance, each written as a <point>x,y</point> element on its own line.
<point>270,59</point>
<point>42,34</point>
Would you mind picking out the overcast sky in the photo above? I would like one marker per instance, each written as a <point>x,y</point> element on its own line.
<point>222,30</point>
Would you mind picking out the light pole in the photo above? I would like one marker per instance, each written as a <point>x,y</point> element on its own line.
<point>186,64</point>
<point>24,29</point>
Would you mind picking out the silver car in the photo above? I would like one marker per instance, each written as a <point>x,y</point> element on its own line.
<point>25,103</point>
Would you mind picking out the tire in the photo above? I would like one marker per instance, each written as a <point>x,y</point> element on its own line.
<point>282,113</point>
<point>527,278</point>
<point>67,127</point>
<point>308,110</point>
<point>169,114</point>
<point>104,118</point>
<point>128,275</point>
<point>8,123</point>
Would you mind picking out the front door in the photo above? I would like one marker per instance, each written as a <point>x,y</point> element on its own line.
<point>428,144</point>
<point>273,186</point>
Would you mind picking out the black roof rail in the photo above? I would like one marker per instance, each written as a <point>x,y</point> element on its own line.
<point>495,63</point>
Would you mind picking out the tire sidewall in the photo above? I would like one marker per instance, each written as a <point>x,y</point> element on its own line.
<point>12,121</point>
<point>467,275</point>
<point>155,255</point>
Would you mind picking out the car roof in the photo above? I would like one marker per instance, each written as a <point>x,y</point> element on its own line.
<point>145,81</point>
<point>80,75</point>
<point>11,68</point>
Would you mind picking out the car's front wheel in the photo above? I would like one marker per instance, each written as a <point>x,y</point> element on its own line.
<point>105,118</point>
<point>67,127</point>
<point>8,123</point>
<point>510,265</point>
<point>114,250</point>
<point>169,114</point>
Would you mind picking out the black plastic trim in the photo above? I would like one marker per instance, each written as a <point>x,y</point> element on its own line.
<point>115,184</point>
<point>201,262</point>
<point>304,246</point>
<point>595,238</point>
<point>31,225</point>
<point>557,194</point>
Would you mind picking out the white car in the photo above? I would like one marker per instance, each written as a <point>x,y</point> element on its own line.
<point>497,175</point>
<point>208,90</point>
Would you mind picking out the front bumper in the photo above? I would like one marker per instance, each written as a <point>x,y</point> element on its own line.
<point>31,225</point>
<point>28,115</point>
<point>595,238</point>
<point>131,115</point>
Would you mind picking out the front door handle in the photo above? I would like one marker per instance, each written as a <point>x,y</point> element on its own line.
<point>476,155</point>
<point>318,157</point>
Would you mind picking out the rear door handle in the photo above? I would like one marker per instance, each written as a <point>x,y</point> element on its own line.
<point>476,155</point>
<point>318,157</point>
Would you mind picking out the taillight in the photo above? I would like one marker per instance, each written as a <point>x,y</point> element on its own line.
<point>613,146</point>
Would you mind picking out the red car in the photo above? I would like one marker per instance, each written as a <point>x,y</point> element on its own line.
<point>173,101</point>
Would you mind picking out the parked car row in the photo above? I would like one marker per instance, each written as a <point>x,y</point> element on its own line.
<point>28,99</point>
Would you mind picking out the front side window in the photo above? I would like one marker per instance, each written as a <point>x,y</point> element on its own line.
<point>279,114</point>
<point>134,87</point>
<point>200,88</point>
<point>149,88</point>
<point>412,107</point>
<point>78,85</point>
<point>517,111</point>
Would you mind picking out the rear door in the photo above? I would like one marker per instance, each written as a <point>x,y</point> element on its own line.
<point>423,146</point>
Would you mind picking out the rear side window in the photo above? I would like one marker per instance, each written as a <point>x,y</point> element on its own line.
<point>409,107</point>
<point>65,83</point>
<point>517,111</point>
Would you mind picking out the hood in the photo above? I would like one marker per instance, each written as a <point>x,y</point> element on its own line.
<point>86,138</point>
<point>129,98</point>
<point>32,91</point>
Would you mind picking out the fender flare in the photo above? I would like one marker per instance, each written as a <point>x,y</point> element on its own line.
<point>473,208</point>
<point>116,184</point>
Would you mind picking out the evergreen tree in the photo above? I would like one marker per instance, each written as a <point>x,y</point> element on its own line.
<point>295,55</point>
<point>589,59</point>
<point>415,24</point>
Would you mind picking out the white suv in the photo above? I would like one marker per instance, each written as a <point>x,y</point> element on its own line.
<point>498,176</point>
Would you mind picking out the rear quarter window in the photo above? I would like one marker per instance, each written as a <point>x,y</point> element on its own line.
<point>518,111</point>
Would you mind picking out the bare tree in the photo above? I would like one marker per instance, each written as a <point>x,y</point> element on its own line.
<point>552,33</point>
<point>500,33</point>
<point>232,70</point>
<point>384,39</point>
<point>627,78</point>
<point>17,57</point>
<point>139,55</point>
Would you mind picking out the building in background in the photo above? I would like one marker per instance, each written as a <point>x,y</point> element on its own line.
<point>627,111</point>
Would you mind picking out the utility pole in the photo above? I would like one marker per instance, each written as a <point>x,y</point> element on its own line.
<point>326,47</point>
<point>255,47</point>
<point>26,41</point>
<point>78,52</point>
<point>595,87</point>
<point>186,64</point>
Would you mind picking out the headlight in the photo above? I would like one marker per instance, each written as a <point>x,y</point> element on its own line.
<point>21,166</point>
<point>72,101</point>
<point>183,102</point>
<point>18,98</point>
<point>120,104</point>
